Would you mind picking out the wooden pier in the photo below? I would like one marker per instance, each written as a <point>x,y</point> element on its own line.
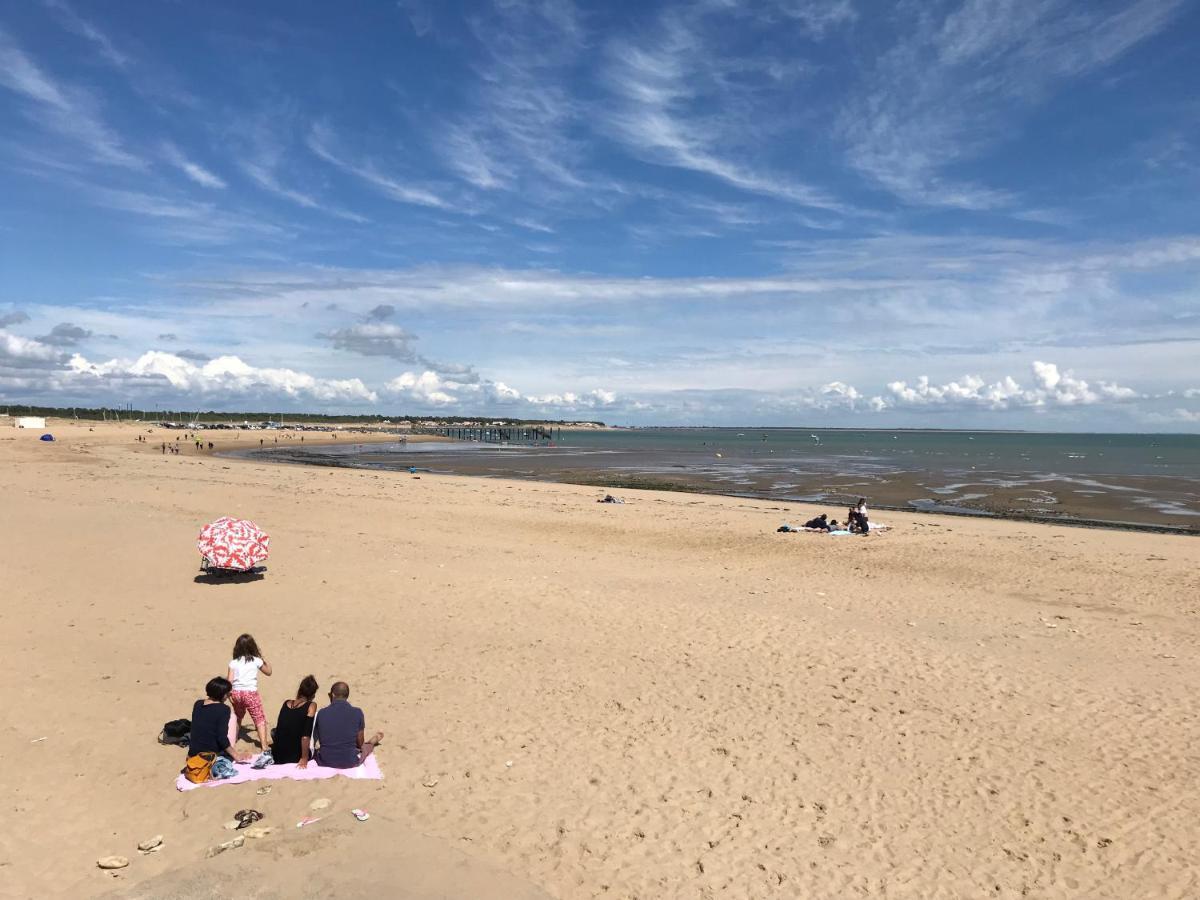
<point>496,434</point>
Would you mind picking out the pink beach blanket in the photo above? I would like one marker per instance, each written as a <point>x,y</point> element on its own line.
<point>368,771</point>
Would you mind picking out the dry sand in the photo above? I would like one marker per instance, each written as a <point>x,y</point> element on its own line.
<point>693,705</point>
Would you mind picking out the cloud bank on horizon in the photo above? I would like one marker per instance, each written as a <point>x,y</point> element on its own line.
<point>811,212</point>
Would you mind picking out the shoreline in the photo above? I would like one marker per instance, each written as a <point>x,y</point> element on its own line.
<point>292,456</point>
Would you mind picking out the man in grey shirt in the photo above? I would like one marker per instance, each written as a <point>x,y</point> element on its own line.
<point>340,732</point>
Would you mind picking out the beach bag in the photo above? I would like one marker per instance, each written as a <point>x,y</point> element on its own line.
<point>199,767</point>
<point>177,731</point>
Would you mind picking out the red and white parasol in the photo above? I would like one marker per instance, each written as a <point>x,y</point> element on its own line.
<point>230,543</point>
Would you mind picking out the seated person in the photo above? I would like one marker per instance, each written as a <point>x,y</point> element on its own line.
<point>295,726</point>
<point>851,519</point>
<point>860,514</point>
<point>340,731</point>
<point>210,722</point>
<point>820,522</point>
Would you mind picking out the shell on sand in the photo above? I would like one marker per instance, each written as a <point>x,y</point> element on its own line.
<point>228,845</point>
<point>112,862</point>
<point>151,844</point>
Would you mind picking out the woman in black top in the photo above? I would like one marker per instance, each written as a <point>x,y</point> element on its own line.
<point>210,721</point>
<point>294,727</point>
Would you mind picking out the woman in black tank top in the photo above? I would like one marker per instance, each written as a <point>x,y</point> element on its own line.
<point>293,730</point>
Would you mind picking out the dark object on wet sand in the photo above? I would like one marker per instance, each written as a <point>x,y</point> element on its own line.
<point>609,498</point>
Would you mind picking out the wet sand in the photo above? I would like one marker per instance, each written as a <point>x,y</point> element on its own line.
<point>1128,501</point>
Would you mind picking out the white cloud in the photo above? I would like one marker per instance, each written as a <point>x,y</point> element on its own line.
<point>1050,388</point>
<point>594,399</point>
<point>431,389</point>
<point>428,388</point>
<point>18,352</point>
<point>192,170</point>
<point>226,377</point>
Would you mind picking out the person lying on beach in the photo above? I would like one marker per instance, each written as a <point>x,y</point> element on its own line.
<point>820,523</point>
<point>210,722</point>
<point>339,732</point>
<point>294,727</point>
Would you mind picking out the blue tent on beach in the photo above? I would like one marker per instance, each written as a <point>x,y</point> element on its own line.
<point>46,437</point>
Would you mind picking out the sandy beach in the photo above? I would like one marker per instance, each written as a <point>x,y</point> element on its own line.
<point>659,699</point>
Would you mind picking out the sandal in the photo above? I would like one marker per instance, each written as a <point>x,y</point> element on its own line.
<point>247,817</point>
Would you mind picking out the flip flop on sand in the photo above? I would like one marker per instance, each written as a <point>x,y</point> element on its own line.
<point>361,814</point>
<point>247,817</point>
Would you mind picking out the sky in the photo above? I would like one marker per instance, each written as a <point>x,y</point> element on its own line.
<point>784,212</point>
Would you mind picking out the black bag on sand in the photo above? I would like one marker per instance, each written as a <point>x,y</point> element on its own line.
<point>177,731</point>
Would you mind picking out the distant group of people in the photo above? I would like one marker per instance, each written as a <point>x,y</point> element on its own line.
<point>332,736</point>
<point>856,522</point>
<point>173,448</point>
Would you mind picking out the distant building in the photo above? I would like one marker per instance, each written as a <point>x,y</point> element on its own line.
<point>29,422</point>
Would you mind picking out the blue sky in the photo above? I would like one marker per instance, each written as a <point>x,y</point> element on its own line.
<point>951,214</point>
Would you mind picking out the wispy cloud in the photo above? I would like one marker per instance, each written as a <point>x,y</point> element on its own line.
<point>817,16</point>
<point>196,172</point>
<point>419,14</point>
<point>949,88</point>
<point>322,143</point>
<point>520,129</point>
<point>65,111</point>
<point>265,176</point>
<point>87,30</point>
<point>665,113</point>
<point>264,159</point>
<point>179,219</point>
